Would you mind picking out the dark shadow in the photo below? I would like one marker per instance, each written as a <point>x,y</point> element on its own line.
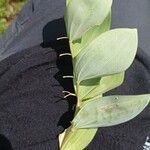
<point>4,143</point>
<point>51,32</point>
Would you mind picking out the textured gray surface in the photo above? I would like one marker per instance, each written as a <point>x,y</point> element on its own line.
<point>134,14</point>
<point>26,31</point>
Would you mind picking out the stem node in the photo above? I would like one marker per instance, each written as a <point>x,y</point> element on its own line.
<point>68,94</point>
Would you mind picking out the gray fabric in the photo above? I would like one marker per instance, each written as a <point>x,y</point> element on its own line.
<point>134,14</point>
<point>27,29</point>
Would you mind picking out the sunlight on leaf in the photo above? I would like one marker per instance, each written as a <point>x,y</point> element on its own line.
<point>78,139</point>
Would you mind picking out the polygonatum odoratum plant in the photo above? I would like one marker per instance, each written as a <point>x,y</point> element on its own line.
<point>100,57</point>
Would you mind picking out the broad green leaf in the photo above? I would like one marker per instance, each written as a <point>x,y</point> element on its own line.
<point>67,2</point>
<point>82,15</point>
<point>94,32</point>
<point>110,110</point>
<point>90,35</point>
<point>94,87</point>
<point>110,53</point>
<point>78,139</point>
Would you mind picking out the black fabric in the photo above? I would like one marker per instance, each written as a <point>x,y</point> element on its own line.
<point>32,103</point>
<point>32,108</point>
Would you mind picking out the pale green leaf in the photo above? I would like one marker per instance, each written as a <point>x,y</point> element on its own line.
<point>78,139</point>
<point>110,110</point>
<point>82,15</point>
<point>90,35</point>
<point>110,53</point>
<point>94,87</point>
<point>67,2</point>
<point>94,32</point>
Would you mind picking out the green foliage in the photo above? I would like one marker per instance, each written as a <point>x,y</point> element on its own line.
<point>90,35</point>
<point>110,110</point>
<point>2,15</point>
<point>81,18</point>
<point>74,137</point>
<point>8,11</point>
<point>100,58</point>
<point>108,51</point>
<point>98,86</point>
<point>2,25</point>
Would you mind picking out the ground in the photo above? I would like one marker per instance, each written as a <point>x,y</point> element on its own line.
<point>8,11</point>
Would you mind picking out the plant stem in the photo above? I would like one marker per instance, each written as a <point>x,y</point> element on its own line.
<point>64,136</point>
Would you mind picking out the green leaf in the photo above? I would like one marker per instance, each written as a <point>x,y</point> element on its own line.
<point>110,110</point>
<point>78,139</point>
<point>67,2</point>
<point>82,15</point>
<point>3,23</point>
<point>110,53</point>
<point>90,35</point>
<point>94,87</point>
<point>94,32</point>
